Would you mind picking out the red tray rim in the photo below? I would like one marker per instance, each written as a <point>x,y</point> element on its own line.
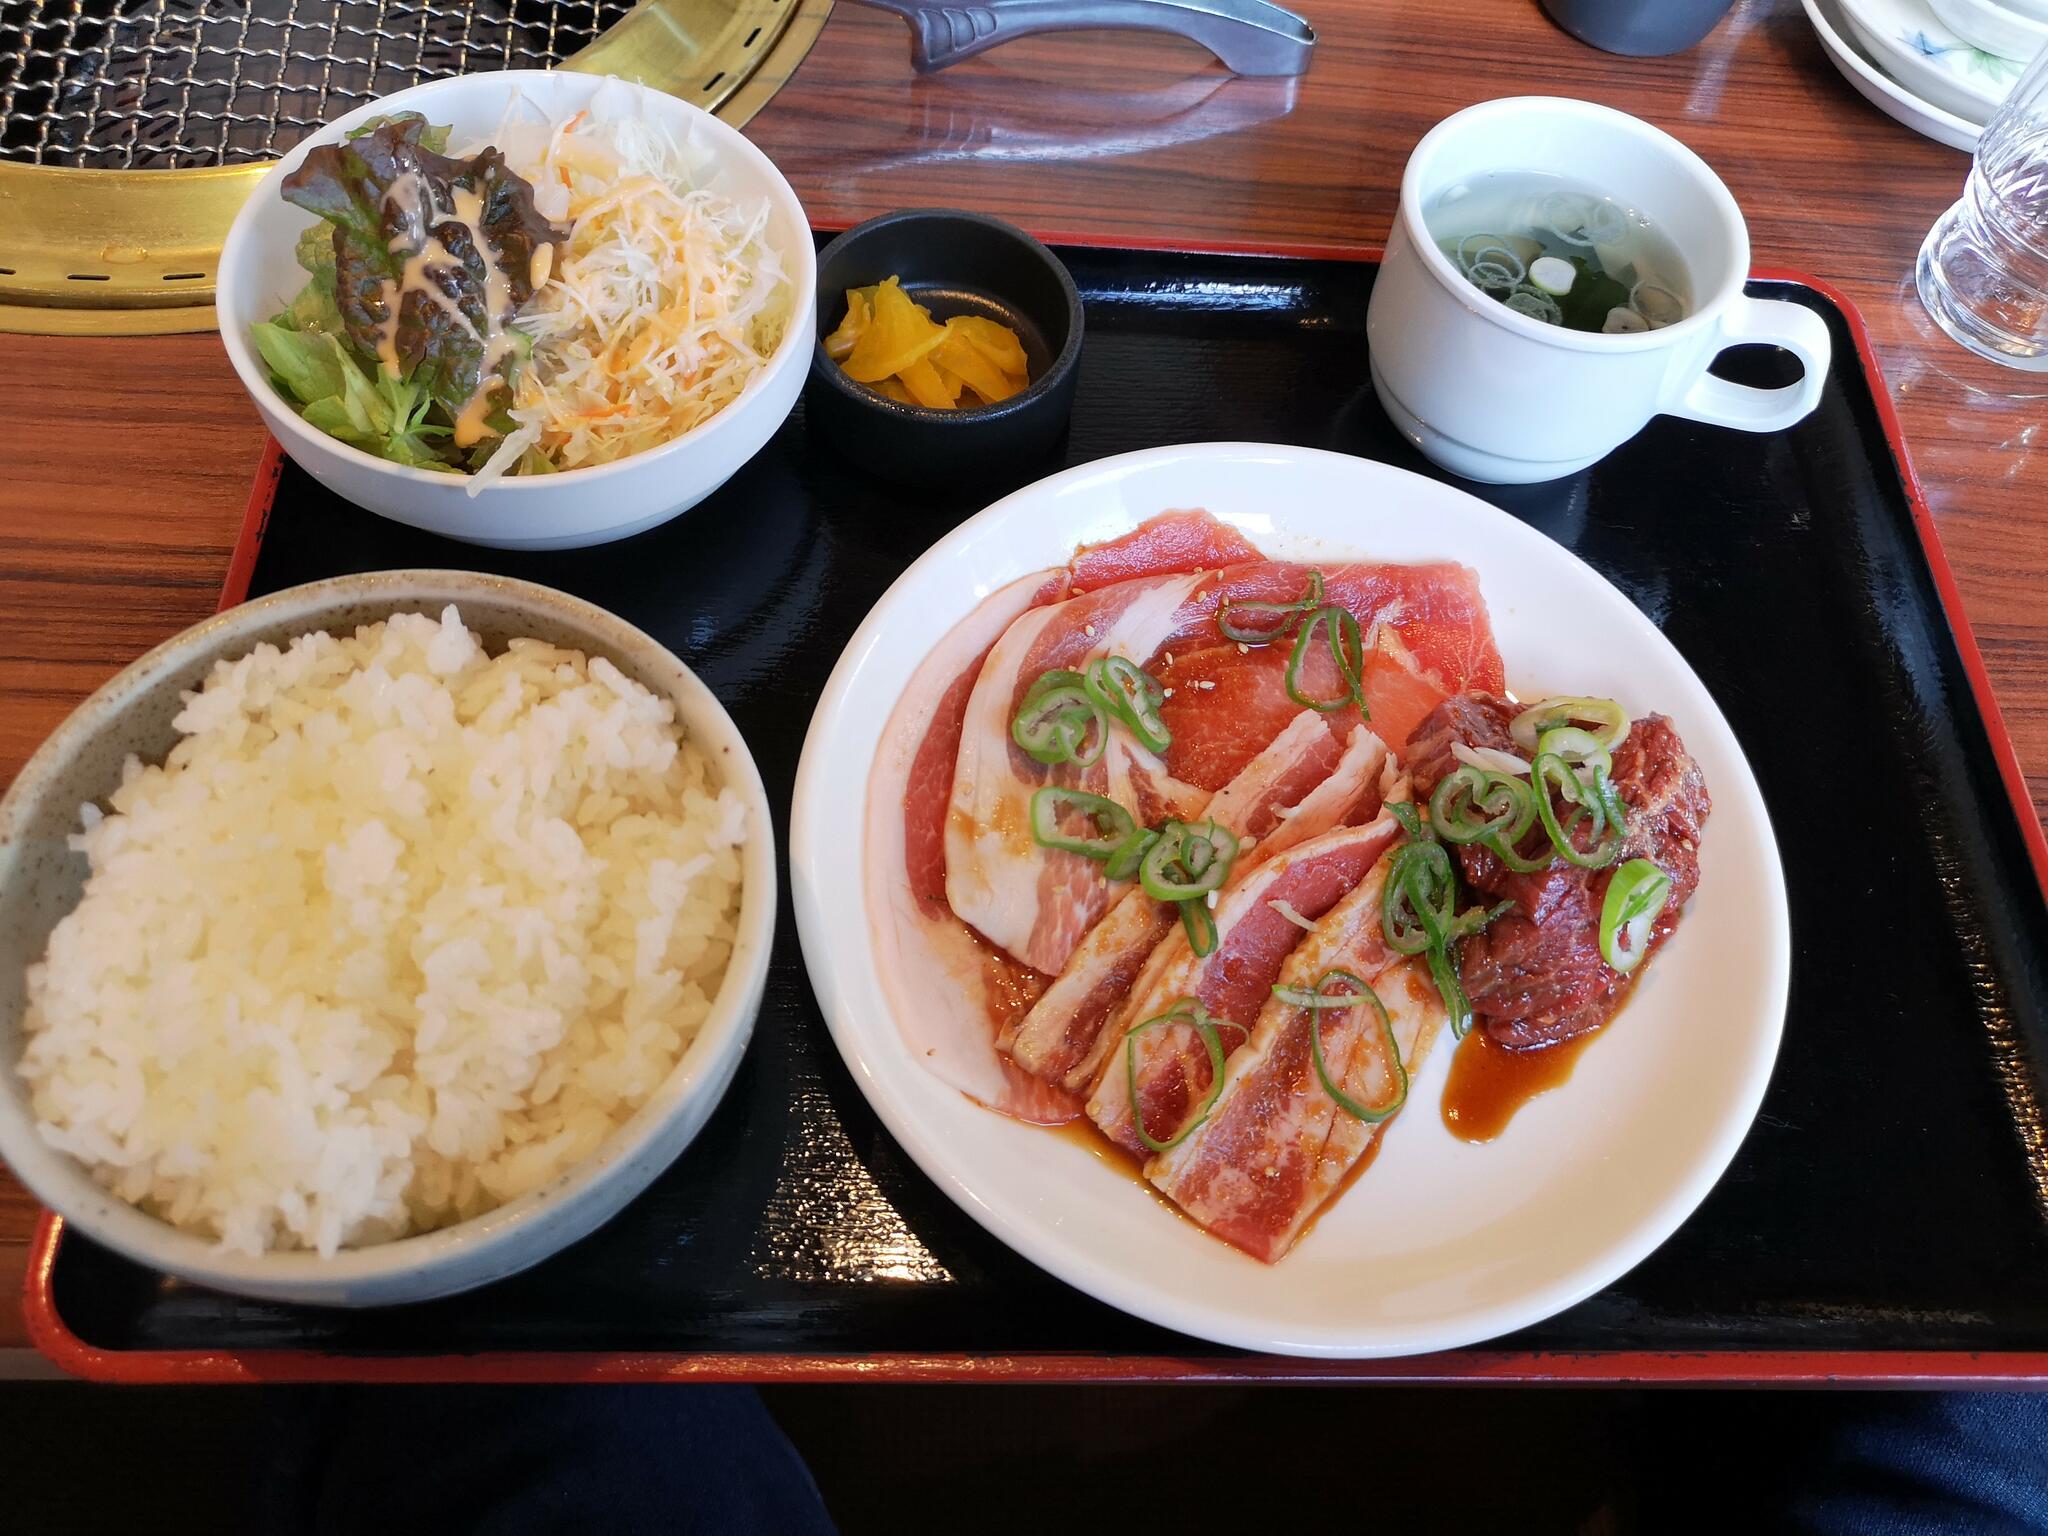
<point>1792,1368</point>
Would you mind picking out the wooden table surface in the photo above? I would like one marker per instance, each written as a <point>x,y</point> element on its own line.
<point>129,460</point>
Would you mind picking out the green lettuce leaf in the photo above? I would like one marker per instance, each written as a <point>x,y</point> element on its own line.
<point>309,364</point>
<point>390,198</point>
<point>432,136</point>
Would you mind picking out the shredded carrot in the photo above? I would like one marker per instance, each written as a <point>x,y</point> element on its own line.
<point>667,300</point>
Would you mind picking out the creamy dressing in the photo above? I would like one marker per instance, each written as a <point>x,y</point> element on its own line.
<point>420,218</point>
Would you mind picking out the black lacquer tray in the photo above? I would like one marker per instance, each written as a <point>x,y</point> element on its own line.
<point>1887,1218</point>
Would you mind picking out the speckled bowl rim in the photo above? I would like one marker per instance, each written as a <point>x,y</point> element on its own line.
<point>486,1247</point>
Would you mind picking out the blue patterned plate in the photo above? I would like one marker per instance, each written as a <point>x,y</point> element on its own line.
<point>1911,44</point>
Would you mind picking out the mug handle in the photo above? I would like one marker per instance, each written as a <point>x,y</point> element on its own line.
<point>1769,322</point>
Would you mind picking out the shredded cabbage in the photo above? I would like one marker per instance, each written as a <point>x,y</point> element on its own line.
<point>668,300</point>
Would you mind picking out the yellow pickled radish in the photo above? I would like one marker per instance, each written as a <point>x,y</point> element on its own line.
<point>900,335</point>
<point>889,342</point>
<point>960,357</point>
<point>859,316</point>
<point>928,387</point>
<point>997,342</point>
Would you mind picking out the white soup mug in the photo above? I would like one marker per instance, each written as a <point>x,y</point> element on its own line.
<point>1495,395</point>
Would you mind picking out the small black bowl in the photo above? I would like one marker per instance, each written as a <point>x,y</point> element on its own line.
<point>953,263</point>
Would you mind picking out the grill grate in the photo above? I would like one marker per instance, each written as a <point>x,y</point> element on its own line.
<point>174,84</point>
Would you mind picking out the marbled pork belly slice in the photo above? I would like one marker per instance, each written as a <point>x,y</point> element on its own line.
<point>1032,901</point>
<point>1170,1065</point>
<point>1299,787</point>
<point>1276,1145</point>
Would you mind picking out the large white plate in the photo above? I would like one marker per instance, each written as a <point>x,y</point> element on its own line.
<point>1442,1243</point>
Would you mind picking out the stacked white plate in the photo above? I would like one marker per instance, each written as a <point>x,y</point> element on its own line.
<point>1913,66</point>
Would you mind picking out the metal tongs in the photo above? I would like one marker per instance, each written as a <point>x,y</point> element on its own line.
<point>1253,37</point>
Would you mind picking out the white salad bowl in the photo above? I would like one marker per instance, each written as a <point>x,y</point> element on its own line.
<point>41,879</point>
<point>259,275</point>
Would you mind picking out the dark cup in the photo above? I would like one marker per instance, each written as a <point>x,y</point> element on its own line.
<point>1641,27</point>
<point>953,263</point>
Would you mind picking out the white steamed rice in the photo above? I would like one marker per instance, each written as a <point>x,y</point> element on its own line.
<point>398,932</point>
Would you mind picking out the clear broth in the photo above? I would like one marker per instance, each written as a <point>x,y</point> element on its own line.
<point>1496,228</point>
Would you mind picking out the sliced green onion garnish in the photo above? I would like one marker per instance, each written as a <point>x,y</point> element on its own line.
<point>1057,719</point>
<point>1418,911</point>
<point>1347,649</point>
<point>1575,746</point>
<point>1590,805</point>
<point>1610,800</point>
<point>1187,861</point>
<point>1190,1012</point>
<point>1443,970</point>
<point>1607,720</point>
<point>1472,919</point>
<point>1123,863</point>
<point>1132,695</point>
<point>1476,805</point>
<point>1263,623</point>
<point>1635,897</point>
<point>1111,823</point>
<point>1319,1000</point>
<point>1200,924</point>
<point>1420,899</point>
<point>1521,863</point>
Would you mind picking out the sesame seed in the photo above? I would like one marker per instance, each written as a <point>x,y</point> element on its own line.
<point>1242,648</point>
<point>1089,631</point>
<point>1167,694</point>
<point>1207,685</point>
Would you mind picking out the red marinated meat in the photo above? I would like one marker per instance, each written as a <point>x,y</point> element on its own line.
<point>1233,982</point>
<point>1167,544</point>
<point>1431,638</point>
<point>1535,975</point>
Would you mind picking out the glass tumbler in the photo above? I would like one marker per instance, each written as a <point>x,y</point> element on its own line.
<point>1983,270</point>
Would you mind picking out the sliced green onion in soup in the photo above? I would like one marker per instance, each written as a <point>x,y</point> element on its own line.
<point>1581,220</point>
<point>1636,897</point>
<point>1478,248</point>
<point>1536,304</point>
<point>1658,305</point>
